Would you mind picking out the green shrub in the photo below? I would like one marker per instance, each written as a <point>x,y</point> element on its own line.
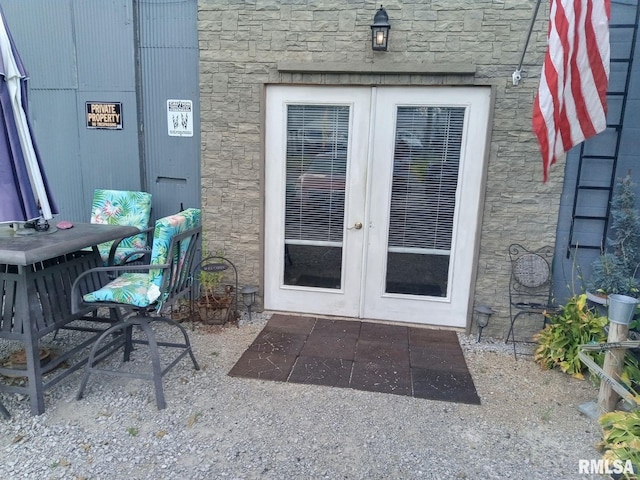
<point>615,270</point>
<point>576,324</point>
<point>621,437</point>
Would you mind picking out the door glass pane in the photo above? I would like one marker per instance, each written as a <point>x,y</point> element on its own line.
<point>316,166</point>
<point>425,175</point>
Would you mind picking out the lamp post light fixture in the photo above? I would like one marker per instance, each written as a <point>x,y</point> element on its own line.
<point>380,30</point>
<point>248,293</point>
<point>483,313</point>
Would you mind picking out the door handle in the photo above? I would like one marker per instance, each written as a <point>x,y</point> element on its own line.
<point>356,226</point>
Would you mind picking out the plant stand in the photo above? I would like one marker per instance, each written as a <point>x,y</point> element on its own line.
<point>216,311</point>
<point>214,307</point>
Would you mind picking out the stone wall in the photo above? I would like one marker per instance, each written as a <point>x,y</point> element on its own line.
<point>243,43</point>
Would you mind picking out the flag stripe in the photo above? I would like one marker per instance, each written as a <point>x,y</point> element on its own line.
<point>599,57</point>
<point>582,87</point>
<point>571,102</point>
<point>565,21</point>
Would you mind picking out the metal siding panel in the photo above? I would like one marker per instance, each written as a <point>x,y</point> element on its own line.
<point>104,36</point>
<point>58,145</point>
<point>109,158</point>
<point>168,24</point>
<point>173,163</point>
<point>101,55</point>
<point>170,157</point>
<point>43,32</point>
<point>78,160</point>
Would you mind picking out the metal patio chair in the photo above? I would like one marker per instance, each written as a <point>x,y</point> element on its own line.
<point>530,289</point>
<point>122,207</point>
<point>142,291</point>
<point>4,412</point>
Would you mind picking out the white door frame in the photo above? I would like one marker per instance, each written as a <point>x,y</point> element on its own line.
<point>371,144</point>
<point>451,310</point>
<point>277,295</point>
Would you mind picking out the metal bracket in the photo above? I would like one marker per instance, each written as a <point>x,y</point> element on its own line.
<point>516,77</point>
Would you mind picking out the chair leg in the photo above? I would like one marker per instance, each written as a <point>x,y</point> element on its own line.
<point>96,354</point>
<point>512,334</point>
<point>3,410</point>
<point>155,362</point>
<point>187,343</point>
<point>128,343</point>
<point>96,349</point>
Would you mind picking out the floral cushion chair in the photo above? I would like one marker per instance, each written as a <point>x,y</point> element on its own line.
<point>120,207</point>
<point>144,290</point>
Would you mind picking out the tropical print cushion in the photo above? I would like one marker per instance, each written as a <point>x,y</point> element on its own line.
<point>164,231</point>
<point>128,288</point>
<point>119,207</point>
<point>143,289</point>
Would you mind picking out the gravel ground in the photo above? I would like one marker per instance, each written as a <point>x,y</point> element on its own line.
<point>216,426</point>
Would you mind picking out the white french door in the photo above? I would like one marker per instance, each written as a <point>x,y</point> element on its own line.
<point>372,197</point>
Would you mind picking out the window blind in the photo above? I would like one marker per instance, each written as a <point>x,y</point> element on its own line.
<point>425,176</point>
<point>316,166</point>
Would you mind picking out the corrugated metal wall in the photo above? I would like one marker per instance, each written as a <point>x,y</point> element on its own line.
<point>77,51</point>
<point>136,52</point>
<point>169,56</point>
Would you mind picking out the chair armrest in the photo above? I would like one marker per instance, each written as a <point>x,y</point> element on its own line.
<point>145,257</point>
<point>116,244</point>
<point>76,295</point>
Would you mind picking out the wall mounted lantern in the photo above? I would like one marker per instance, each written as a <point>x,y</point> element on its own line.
<point>380,30</point>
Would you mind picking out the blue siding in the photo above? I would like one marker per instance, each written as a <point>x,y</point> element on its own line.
<point>571,272</point>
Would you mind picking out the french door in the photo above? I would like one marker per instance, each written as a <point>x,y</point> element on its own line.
<point>372,197</point>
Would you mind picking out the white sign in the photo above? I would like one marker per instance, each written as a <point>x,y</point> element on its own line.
<point>180,118</point>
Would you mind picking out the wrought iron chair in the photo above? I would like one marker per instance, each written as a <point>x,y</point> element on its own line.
<point>143,290</point>
<point>530,287</point>
<point>121,207</point>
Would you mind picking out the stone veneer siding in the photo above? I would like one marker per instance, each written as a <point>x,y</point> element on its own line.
<point>243,43</point>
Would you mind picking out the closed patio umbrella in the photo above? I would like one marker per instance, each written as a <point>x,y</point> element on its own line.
<point>24,191</point>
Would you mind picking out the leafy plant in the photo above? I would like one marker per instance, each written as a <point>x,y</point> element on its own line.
<point>615,271</point>
<point>621,437</point>
<point>609,275</point>
<point>577,324</point>
<point>210,280</point>
<point>630,375</point>
<point>574,325</point>
<point>214,303</point>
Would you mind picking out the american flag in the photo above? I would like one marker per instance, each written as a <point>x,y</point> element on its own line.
<point>571,104</point>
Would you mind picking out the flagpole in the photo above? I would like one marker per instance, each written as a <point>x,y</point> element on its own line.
<point>516,76</point>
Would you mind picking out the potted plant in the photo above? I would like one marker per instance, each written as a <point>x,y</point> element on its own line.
<point>615,270</point>
<point>214,305</point>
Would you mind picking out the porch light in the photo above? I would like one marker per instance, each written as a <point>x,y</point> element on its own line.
<point>380,30</point>
<point>248,297</point>
<point>482,317</point>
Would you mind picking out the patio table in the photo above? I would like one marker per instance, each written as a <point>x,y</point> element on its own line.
<point>36,274</point>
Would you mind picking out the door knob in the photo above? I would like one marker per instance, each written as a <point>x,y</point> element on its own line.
<point>357,226</point>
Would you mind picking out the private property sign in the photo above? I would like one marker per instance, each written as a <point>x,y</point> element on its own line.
<point>104,115</point>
